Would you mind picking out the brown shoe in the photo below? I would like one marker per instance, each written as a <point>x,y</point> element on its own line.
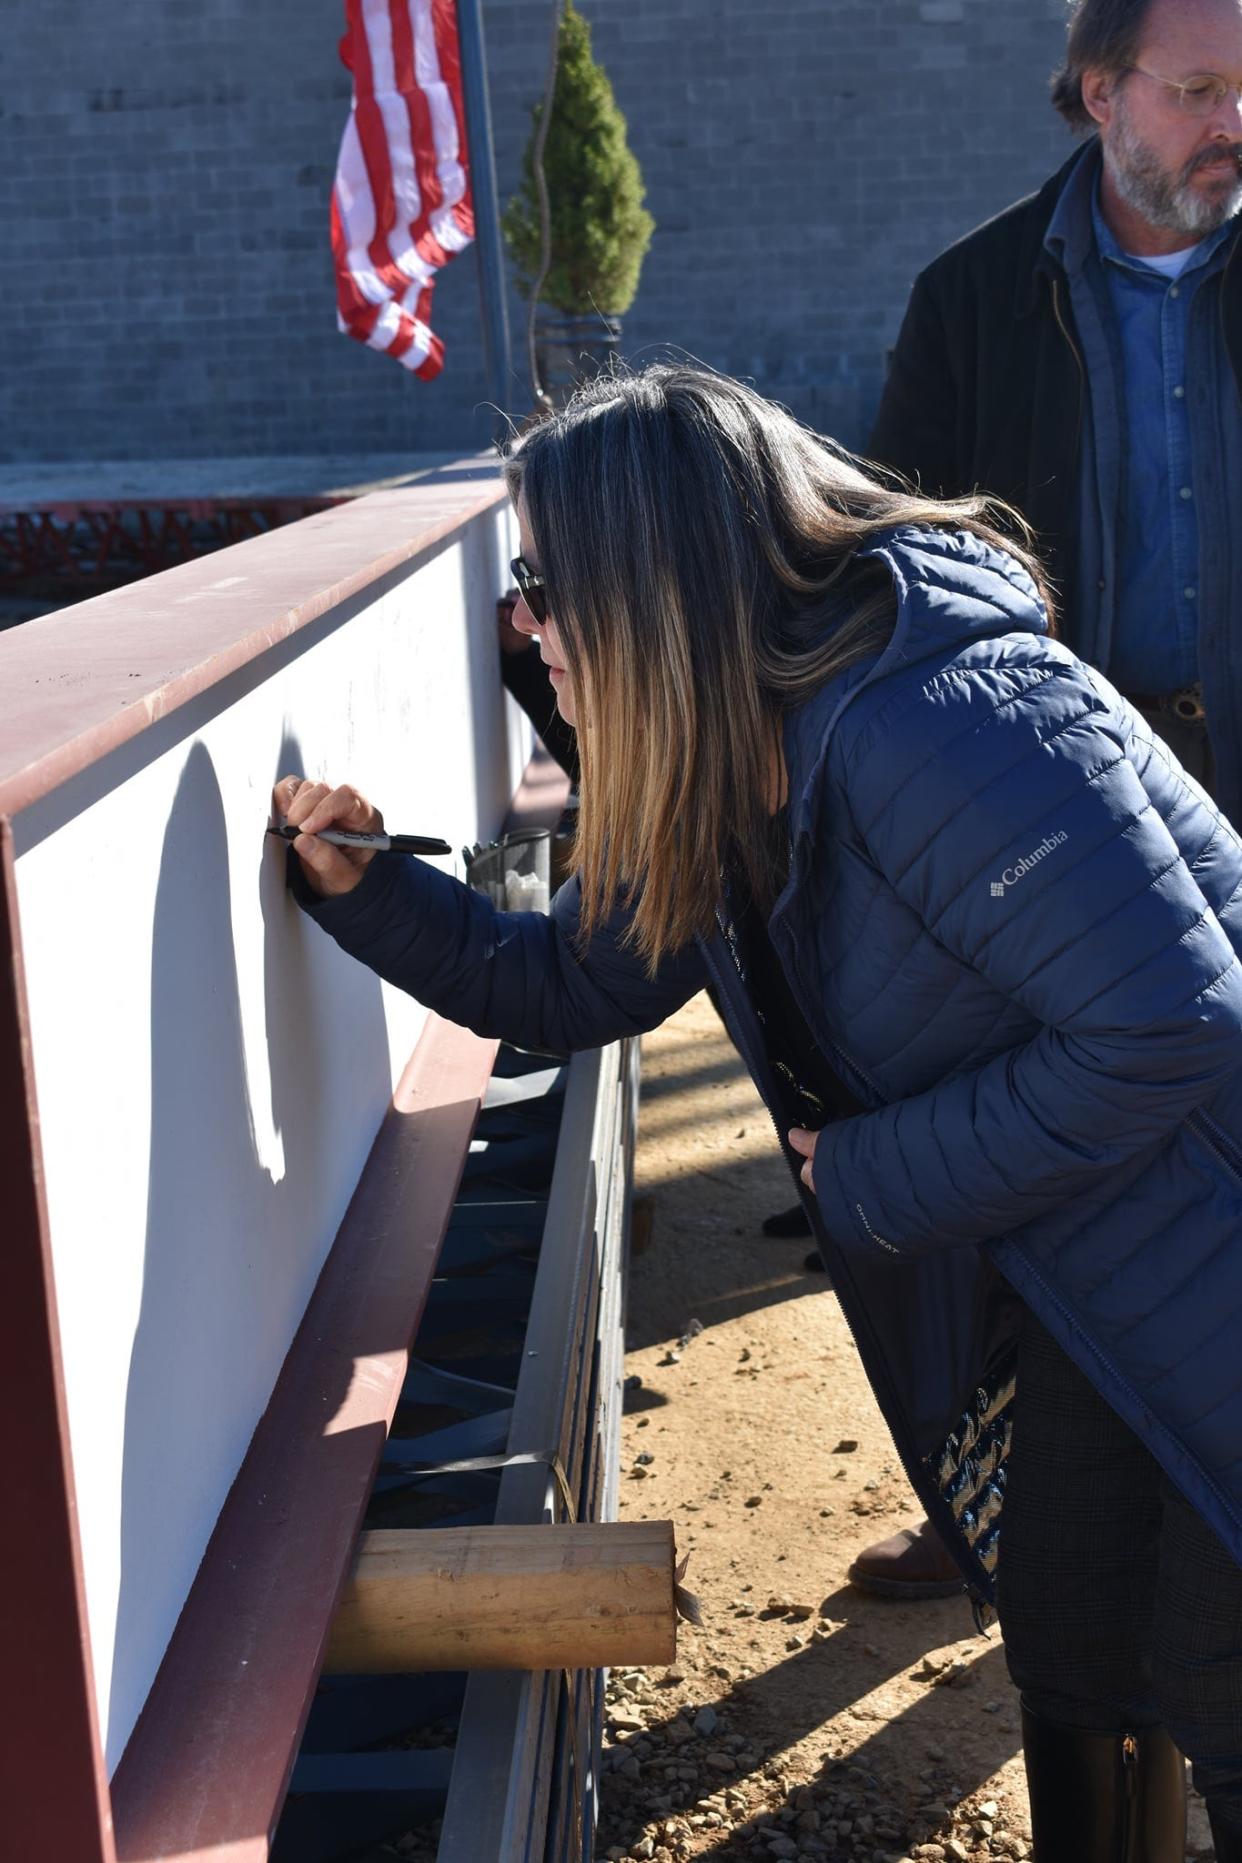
<point>911,1564</point>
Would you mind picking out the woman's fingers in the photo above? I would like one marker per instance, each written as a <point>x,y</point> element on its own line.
<point>307,797</point>
<point>317,807</point>
<point>294,797</point>
<point>282,795</point>
<point>330,869</point>
<point>313,807</point>
<point>803,1143</point>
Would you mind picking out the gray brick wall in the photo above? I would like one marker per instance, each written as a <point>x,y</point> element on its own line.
<point>165,167</point>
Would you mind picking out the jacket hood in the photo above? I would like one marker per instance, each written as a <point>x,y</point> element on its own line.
<point>952,589</point>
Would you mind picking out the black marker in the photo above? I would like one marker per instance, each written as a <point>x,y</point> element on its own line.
<point>379,843</point>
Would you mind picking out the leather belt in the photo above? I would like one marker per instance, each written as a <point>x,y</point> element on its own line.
<point>1185,705</point>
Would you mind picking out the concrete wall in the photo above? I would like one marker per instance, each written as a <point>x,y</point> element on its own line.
<point>165,168</point>
<point>210,1069</point>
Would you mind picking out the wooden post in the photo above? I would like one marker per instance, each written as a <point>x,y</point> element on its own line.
<point>500,1597</point>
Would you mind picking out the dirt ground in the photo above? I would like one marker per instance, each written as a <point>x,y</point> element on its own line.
<point>802,1719</point>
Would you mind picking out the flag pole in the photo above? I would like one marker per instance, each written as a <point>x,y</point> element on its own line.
<point>489,250</point>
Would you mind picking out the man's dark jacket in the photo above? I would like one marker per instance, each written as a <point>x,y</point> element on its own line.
<point>987,389</point>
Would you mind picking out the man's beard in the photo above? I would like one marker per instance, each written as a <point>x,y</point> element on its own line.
<point>1168,200</point>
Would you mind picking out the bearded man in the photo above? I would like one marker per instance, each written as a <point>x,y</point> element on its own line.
<point>1080,356</point>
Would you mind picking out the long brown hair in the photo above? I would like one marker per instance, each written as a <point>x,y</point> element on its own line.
<point>699,550</point>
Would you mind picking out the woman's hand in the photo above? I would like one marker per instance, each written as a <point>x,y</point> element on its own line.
<point>312,807</point>
<point>803,1143</point>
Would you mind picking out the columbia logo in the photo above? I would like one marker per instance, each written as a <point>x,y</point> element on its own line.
<point>1028,863</point>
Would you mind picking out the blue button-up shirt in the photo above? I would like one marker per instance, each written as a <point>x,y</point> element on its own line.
<point>1143,544</point>
<point>1168,361</point>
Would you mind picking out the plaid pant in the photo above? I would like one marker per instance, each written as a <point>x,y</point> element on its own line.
<point>1120,1608</point>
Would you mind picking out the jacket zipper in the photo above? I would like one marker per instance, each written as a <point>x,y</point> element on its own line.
<point>1217,1141</point>
<point>1063,327</point>
<point>858,1079</point>
<point>870,1356</point>
<point>1129,1796</point>
<point>861,1077</point>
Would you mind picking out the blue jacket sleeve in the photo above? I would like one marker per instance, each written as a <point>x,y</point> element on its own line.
<point>1008,817</point>
<point>516,975</point>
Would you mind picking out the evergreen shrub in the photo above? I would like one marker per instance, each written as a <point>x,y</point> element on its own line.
<point>600,228</point>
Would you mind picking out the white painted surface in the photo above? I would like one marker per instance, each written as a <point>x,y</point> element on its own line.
<point>211,1070</point>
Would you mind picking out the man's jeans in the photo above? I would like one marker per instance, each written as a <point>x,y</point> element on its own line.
<point>1120,1608</point>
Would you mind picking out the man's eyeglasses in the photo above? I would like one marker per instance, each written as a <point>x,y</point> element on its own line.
<point>1201,95</point>
<point>534,593</point>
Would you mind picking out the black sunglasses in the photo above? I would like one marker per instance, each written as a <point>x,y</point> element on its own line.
<point>534,593</point>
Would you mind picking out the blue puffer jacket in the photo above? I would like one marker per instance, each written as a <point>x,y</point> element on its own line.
<point>1014,924</point>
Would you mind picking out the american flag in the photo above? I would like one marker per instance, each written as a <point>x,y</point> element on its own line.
<point>401,204</point>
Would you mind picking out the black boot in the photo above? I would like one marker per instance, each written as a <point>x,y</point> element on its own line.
<point>787,1223</point>
<point>1104,1798</point>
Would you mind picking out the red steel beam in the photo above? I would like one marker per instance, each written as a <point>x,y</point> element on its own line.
<point>53,1788</point>
<point>207,1766</point>
<point>71,690</point>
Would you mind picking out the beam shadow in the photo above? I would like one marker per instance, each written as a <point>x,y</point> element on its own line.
<point>906,1760</point>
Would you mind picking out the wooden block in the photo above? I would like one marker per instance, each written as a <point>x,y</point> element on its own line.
<point>542,1597</point>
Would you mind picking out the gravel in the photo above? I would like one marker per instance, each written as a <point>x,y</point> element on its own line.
<point>696,1782</point>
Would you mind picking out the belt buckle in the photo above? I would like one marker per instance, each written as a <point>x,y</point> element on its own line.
<point>1187,706</point>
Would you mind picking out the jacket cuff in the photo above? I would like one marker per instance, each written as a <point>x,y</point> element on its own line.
<point>846,1217</point>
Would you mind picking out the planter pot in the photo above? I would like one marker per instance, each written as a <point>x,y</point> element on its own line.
<point>571,350</point>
